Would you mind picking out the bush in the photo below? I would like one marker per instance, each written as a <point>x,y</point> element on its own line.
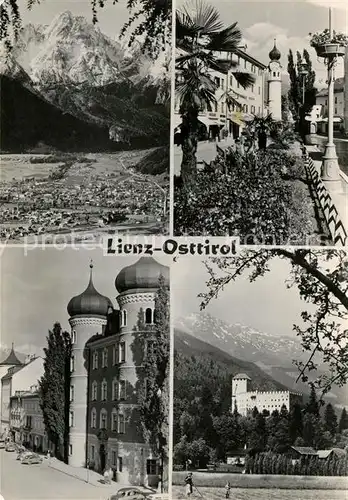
<point>246,196</point>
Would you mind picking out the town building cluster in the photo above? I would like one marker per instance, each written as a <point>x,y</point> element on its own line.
<point>38,206</point>
<point>108,349</point>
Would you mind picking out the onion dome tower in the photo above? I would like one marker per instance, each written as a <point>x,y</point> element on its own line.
<point>137,286</point>
<point>275,84</point>
<point>11,359</point>
<point>88,316</point>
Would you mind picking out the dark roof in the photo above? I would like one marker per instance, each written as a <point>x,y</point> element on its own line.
<point>11,372</point>
<point>11,359</point>
<point>241,376</point>
<point>304,450</point>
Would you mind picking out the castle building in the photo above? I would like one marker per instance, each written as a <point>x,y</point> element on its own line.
<point>246,400</point>
<point>275,84</point>
<point>108,348</point>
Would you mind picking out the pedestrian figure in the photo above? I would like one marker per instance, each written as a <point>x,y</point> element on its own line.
<point>228,488</point>
<point>106,476</point>
<point>189,484</point>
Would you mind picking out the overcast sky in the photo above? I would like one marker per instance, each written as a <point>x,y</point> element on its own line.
<point>266,305</point>
<point>35,290</point>
<point>289,22</point>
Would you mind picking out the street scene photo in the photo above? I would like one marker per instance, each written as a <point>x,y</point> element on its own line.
<point>85,120</point>
<point>84,373</point>
<point>261,121</point>
<point>260,375</point>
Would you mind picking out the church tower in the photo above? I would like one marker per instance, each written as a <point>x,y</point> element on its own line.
<point>88,316</point>
<point>275,84</point>
<point>137,286</point>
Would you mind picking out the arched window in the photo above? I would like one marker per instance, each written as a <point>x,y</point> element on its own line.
<point>71,419</point>
<point>104,390</point>
<point>72,363</point>
<point>274,73</point>
<point>94,391</point>
<point>121,427</point>
<point>123,317</point>
<point>103,419</point>
<point>73,337</point>
<point>148,316</point>
<point>93,418</point>
<point>95,360</point>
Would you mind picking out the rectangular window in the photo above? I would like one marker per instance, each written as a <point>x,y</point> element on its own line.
<point>104,358</point>
<point>151,467</point>
<point>114,421</point>
<point>71,393</point>
<point>122,352</point>
<point>71,423</point>
<point>231,81</point>
<point>114,459</point>
<point>70,449</point>
<point>114,390</point>
<point>335,100</point>
<point>72,363</point>
<point>115,354</point>
<point>259,90</point>
<point>120,464</point>
<point>121,427</point>
<point>222,83</point>
<point>216,106</point>
<point>245,63</point>
<point>103,421</point>
<point>94,392</point>
<point>122,389</point>
<point>252,88</point>
<point>335,111</point>
<point>92,452</point>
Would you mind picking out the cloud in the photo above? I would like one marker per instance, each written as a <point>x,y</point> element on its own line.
<point>259,39</point>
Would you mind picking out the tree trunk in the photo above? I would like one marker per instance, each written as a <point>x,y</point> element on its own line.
<point>262,140</point>
<point>189,131</point>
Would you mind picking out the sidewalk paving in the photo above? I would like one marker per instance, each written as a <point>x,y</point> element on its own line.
<point>338,196</point>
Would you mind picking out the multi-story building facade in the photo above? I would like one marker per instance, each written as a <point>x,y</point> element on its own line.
<point>18,378</point>
<point>260,99</point>
<point>106,364</point>
<point>246,400</point>
<point>10,362</point>
<point>26,420</point>
<point>339,103</point>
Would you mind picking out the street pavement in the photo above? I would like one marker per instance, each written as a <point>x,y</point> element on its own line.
<point>41,482</point>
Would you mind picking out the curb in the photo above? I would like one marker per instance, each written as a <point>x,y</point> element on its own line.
<point>73,475</point>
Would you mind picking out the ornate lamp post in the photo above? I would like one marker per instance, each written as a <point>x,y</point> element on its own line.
<point>330,50</point>
<point>303,71</point>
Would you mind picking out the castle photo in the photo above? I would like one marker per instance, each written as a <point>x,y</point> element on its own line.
<point>112,386</point>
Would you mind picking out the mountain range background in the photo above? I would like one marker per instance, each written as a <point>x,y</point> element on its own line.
<point>235,348</point>
<point>68,85</point>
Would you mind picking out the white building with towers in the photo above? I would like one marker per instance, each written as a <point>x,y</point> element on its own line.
<point>245,399</point>
<point>109,346</point>
<point>275,84</point>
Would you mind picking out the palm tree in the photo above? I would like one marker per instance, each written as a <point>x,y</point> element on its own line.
<point>200,35</point>
<point>260,128</point>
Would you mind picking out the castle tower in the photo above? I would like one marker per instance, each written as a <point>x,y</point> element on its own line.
<point>88,316</point>
<point>275,84</point>
<point>240,387</point>
<point>137,286</point>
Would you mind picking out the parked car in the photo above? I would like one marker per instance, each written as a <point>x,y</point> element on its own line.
<point>32,459</point>
<point>131,493</point>
<point>10,447</point>
<point>24,454</point>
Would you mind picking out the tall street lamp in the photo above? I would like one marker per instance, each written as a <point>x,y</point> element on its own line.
<point>330,170</point>
<point>303,71</point>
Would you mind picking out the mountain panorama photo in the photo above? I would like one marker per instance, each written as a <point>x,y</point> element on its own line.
<point>84,132</point>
